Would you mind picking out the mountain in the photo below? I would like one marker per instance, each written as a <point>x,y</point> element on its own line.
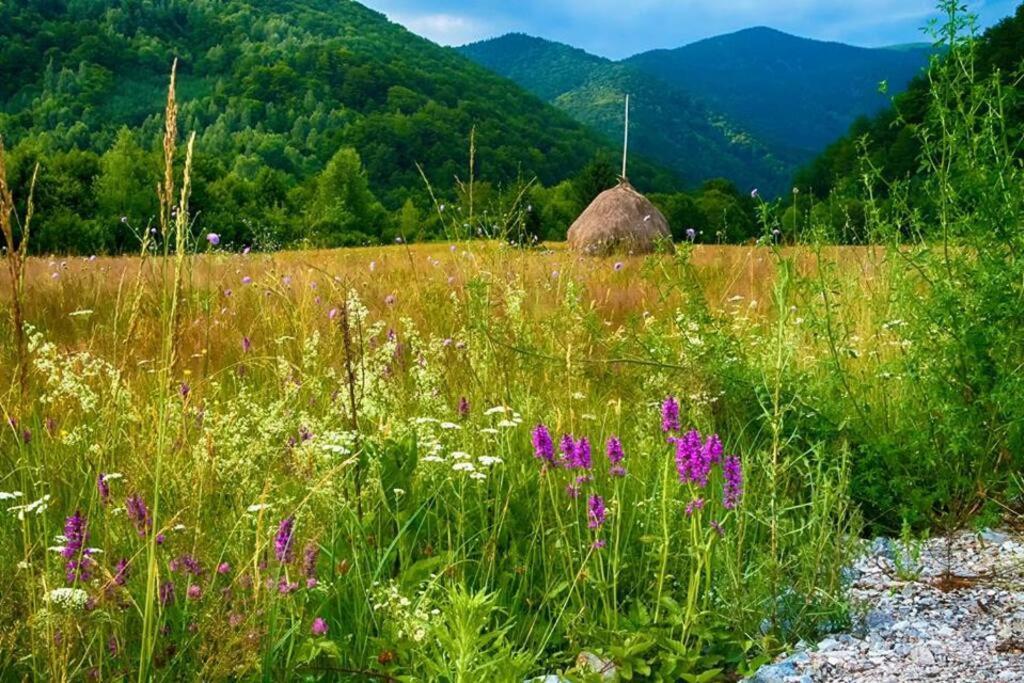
<point>300,106</point>
<point>667,124</point>
<point>794,93</point>
<point>751,106</point>
<point>892,137</point>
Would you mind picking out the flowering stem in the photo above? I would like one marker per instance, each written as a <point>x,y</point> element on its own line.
<point>666,469</point>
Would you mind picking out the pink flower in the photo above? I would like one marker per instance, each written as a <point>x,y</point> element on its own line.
<point>319,627</point>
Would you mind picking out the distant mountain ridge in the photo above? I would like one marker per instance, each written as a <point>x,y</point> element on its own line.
<point>751,106</point>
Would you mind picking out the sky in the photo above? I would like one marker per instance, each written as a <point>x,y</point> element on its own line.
<point>620,28</point>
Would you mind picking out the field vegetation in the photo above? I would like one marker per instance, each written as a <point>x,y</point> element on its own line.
<point>482,460</point>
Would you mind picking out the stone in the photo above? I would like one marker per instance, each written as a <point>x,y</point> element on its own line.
<point>922,656</point>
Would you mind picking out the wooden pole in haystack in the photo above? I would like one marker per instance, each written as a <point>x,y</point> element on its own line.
<point>625,141</point>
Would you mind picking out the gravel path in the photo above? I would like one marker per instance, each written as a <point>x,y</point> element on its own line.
<point>961,620</point>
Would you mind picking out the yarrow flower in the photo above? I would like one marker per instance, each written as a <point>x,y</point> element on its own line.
<point>732,488</point>
<point>595,512</point>
<point>543,447</point>
<point>74,550</point>
<point>283,541</point>
<point>615,457</point>
<point>670,415</point>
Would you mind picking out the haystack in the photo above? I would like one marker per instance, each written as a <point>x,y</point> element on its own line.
<point>620,220</point>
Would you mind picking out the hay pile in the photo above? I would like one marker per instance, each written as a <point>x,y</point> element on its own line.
<point>620,220</point>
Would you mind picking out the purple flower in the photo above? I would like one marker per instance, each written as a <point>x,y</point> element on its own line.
<point>615,457</point>
<point>74,550</point>
<point>138,514</point>
<point>166,593</point>
<point>184,389</point>
<point>694,505</point>
<point>213,238</point>
<point>121,572</point>
<point>718,528</point>
<point>567,446</point>
<point>598,544</point>
<point>309,557</point>
<point>670,415</point>
<point>583,460</point>
<point>754,194</point>
<point>319,627</point>
<point>283,541</point>
<point>246,280</point>
<point>732,488</point>
<point>103,488</point>
<point>688,456</point>
<point>573,491</point>
<point>223,568</point>
<point>595,512</point>
<point>691,234</point>
<point>543,447</point>
<point>619,265</point>
<point>194,592</point>
<point>463,407</point>
<point>246,345</point>
<point>390,299</point>
<point>285,587</point>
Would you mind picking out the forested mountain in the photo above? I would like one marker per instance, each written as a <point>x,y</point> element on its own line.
<point>669,125</point>
<point>794,93</point>
<point>298,105</point>
<point>751,106</point>
<point>892,138</point>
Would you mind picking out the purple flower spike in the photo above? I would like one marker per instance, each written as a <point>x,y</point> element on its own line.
<point>75,551</point>
<point>595,512</point>
<point>283,549</point>
<point>615,457</point>
<point>319,627</point>
<point>670,415</point>
<point>103,488</point>
<point>732,489</point>
<point>543,447</point>
<point>138,514</point>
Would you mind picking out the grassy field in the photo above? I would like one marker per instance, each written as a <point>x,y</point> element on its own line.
<point>330,463</point>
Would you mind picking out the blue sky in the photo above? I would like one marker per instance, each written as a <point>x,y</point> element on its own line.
<point>619,28</point>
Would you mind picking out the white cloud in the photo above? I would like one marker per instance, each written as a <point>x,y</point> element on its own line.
<point>444,28</point>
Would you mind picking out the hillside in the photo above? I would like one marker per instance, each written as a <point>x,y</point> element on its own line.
<point>276,90</point>
<point>794,93</point>
<point>669,125</point>
<point>892,139</point>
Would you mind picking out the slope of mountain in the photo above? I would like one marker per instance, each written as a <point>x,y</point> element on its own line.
<point>793,93</point>
<point>274,88</point>
<point>668,124</point>
<point>892,136</point>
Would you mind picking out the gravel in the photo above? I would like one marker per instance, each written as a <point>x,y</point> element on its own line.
<point>957,614</point>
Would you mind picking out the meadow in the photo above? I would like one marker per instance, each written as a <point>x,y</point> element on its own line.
<point>481,460</point>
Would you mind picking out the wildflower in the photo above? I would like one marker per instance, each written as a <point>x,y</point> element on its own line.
<point>754,194</point>
<point>194,592</point>
<point>595,512</point>
<point>670,415</point>
<point>283,541</point>
<point>573,491</point>
<point>319,627</point>
<point>184,390</point>
<point>619,265</point>
<point>694,505</point>
<point>615,457</point>
<point>568,448</point>
<point>690,463</point>
<point>390,299</point>
<point>598,544</point>
<point>245,252</point>
<point>583,454</point>
<point>213,238</point>
<point>138,514</point>
<point>166,593</point>
<point>309,557</point>
<point>718,528</point>
<point>246,345</point>
<point>732,488</point>
<point>68,598</point>
<point>691,234</point>
<point>543,448</point>
<point>121,572</point>
<point>246,280</point>
<point>74,550</point>
<point>464,407</point>
<point>103,488</point>
<point>285,587</point>
<point>223,568</point>
<point>332,314</point>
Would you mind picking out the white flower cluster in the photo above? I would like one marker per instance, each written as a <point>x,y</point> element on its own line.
<point>68,598</point>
